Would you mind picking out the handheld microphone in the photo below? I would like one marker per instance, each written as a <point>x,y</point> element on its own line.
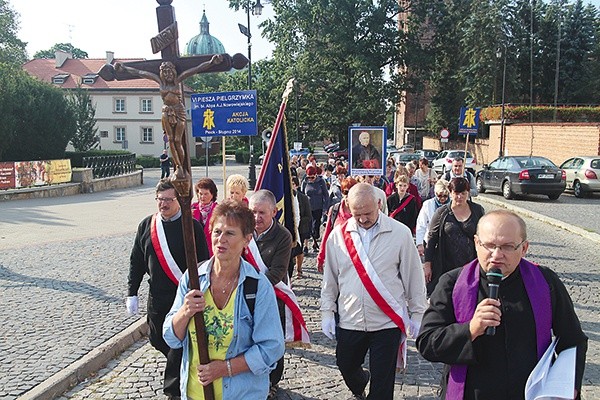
<point>494,277</point>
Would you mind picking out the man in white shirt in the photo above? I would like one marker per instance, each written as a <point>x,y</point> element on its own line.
<point>373,279</point>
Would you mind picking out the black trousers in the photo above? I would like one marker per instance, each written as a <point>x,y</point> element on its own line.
<point>351,349</point>
<point>165,171</point>
<point>316,224</point>
<point>172,367</point>
<point>276,375</point>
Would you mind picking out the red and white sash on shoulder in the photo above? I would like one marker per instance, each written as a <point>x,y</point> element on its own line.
<point>161,248</point>
<point>397,312</point>
<point>295,332</point>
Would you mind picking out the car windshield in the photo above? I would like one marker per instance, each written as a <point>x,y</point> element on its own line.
<point>455,154</point>
<point>534,162</point>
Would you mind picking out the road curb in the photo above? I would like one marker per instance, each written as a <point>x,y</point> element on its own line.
<point>551,221</point>
<point>89,364</point>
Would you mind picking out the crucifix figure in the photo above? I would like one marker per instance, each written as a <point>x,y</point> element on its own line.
<point>173,110</point>
<point>169,72</point>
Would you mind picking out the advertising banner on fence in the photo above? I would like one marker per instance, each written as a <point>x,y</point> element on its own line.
<point>7,175</point>
<point>224,114</point>
<point>22,174</point>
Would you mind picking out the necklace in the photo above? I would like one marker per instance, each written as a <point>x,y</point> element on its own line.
<point>223,291</point>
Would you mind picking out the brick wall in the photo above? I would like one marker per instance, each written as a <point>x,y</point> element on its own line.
<point>557,142</point>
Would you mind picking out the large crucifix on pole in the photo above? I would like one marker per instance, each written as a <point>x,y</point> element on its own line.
<point>169,72</point>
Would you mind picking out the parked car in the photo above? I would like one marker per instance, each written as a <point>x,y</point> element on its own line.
<point>430,155</point>
<point>443,161</point>
<point>407,148</point>
<point>522,175</point>
<point>331,147</point>
<point>339,154</point>
<point>305,151</point>
<point>405,158</point>
<point>582,174</point>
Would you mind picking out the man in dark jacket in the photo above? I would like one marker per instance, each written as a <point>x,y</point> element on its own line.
<point>533,305</point>
<point>316,189</point>
<point>162,234</point>
<point>275,245</point>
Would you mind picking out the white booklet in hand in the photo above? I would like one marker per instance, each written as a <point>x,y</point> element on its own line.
<point>552,380</point>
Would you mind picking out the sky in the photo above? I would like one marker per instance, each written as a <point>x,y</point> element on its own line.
<point>126,26</point>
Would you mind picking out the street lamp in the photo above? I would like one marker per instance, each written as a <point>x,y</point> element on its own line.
<point>499,54</point>
<point>245,30</point>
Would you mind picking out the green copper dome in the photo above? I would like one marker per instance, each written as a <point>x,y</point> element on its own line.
<point>204,43</point>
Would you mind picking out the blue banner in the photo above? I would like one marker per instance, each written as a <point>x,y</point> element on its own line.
<point>469,121</point>
<point>275,176</point>
<point>224,114</point>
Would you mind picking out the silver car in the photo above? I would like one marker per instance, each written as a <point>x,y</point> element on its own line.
<point>582,174</point>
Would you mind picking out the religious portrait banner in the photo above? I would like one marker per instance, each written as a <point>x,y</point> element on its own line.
<point>367,147</point>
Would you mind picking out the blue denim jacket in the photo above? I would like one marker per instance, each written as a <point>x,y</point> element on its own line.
<point>259,338</point>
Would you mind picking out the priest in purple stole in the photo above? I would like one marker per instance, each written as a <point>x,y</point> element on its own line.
<point>533,306</point>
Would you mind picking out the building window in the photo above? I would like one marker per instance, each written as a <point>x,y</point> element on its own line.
<point>120,105</point>
<point>147,135</point>
<point>146,105</point>
<point>119,134</point>
<point>103,134</point>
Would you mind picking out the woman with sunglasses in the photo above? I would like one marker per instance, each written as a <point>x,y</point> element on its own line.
<point>441,197</point>
<point>316,189</point>
<point>451,238</point>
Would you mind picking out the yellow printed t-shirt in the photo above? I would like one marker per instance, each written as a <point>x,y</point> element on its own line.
<point>219,328</point>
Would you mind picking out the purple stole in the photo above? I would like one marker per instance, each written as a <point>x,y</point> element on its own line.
<point>464,299</point>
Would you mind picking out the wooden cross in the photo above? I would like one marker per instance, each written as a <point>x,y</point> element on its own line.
<point>169,72</point>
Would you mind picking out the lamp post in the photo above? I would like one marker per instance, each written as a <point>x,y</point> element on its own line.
<point>499,54</point>
<point>245,30</point>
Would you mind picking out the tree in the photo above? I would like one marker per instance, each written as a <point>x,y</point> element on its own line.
<point>36,121</point>
<point>67,47</point>
<point>85,137</point>
<point>12,50</point>
<point>346,57</point>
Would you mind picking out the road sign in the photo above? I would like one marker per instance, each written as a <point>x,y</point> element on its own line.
<point>469,121</point>
<point>445,133</point>
<point>224,114</point>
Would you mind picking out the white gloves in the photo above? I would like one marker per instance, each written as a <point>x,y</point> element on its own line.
<point>132,305</point>
<point>328,325</point>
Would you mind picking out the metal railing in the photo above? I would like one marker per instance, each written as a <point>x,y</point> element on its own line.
<point>105,166</point>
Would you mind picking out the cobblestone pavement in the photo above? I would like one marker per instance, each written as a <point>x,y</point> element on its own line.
<point>63,290</point>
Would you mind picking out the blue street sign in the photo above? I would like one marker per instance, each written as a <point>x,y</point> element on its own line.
<point>469,121</point>
<point>224,114</point>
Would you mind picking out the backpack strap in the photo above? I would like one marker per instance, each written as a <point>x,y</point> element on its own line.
<point>250,289</point>
<point>335,210</point>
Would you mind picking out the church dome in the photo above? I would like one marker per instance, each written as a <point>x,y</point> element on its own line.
<point>204,43</point>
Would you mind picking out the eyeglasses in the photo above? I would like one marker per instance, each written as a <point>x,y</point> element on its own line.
<point>311,176</point>
<point>165,199</point>
<point>441,196</point>
<point>504,248</point>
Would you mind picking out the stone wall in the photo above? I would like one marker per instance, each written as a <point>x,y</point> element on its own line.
<point>82,182</point>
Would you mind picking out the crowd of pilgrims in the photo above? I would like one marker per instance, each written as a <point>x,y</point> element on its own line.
<point>411,193</point>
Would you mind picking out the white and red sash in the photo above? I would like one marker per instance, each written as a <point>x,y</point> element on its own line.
<point>161,248</point>
<point>295,331</point>
<point>397,312</point>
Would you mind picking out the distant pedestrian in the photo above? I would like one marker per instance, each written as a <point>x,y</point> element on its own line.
<point>316,189</point>
<point>304,222</point>
<point>165,164</point>
<point>402,205</point>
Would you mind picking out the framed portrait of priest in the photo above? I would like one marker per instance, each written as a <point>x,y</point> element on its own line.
<point>367,149</point>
